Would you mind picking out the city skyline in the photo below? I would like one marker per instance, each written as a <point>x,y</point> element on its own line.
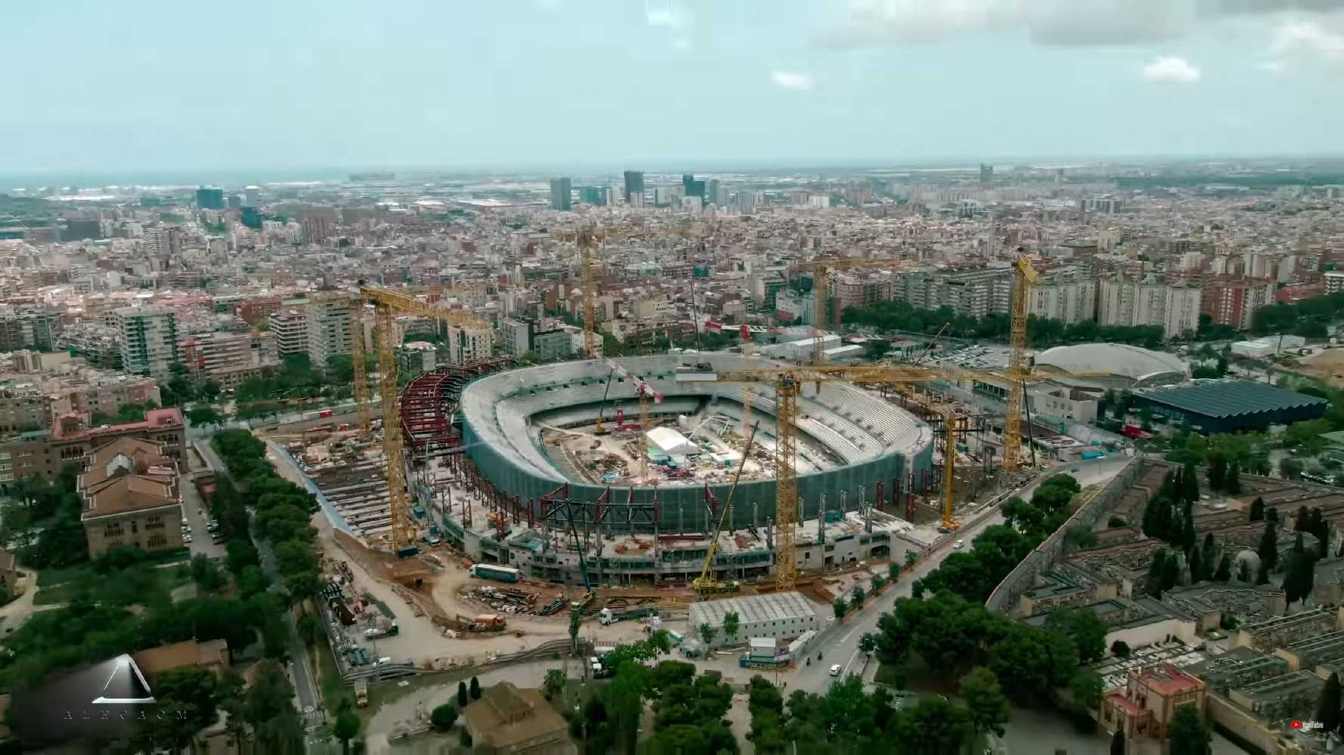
<point>559,85</point>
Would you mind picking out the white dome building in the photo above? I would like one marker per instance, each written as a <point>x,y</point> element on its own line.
<point>1113,365</point>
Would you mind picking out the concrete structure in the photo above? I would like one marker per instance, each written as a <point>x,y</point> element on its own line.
<point>130,492</point>
<point>28,328</point>
<point>149,340</point>
<point>552,345</point>
<point>1069,297</point>
<point>509,720</point>
<point>1334,281</point>
<point>780,616</point>
<point>1234,301</point>
<point>290,328</point>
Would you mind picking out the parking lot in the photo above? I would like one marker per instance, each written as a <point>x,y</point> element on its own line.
<point>197,518</point>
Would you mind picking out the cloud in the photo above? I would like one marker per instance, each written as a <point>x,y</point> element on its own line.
<point>1310,38</point>
<point>1170,70</point>
<point>800,82</point>
<point>671,17</point>
<point>869,23</point>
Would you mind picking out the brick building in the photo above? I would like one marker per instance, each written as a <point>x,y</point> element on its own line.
<point>131,498</point>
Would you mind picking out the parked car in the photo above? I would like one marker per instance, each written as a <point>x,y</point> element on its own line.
<point>835,670</point>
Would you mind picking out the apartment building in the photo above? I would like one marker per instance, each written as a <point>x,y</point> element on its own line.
<point>28,328</point>
<point>214,354</point>
<point>1068,297</point>
<point>290,329</point>
<point>329,330</point>
<point>149,340</point>
<point>470,343</point>
<point>1127,302</point>
<point>131,497</point>
<point>1233,301</point>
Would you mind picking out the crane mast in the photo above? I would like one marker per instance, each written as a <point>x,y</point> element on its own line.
<point>1024,276</point>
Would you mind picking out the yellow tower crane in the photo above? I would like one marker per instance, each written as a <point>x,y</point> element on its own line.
<point>1024,275</point>
<point>788,383</point>
<point>386,305</point>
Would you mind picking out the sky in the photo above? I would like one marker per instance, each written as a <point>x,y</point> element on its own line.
<point>163,85</point>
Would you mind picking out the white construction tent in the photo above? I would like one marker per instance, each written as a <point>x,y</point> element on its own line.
<point>668,442</point>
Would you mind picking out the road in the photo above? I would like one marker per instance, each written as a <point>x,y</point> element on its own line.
<point>840,642</point>
<point>300,671</point>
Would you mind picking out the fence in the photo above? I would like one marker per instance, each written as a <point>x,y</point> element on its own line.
<point>1049,552</point>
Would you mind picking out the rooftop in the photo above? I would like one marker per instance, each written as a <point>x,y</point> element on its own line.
<point>753,609</point>
<point>1231,398</point>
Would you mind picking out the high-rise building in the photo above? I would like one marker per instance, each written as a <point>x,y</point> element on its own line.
<point>28,329</point>
<point>562,193</point>
<point>986,174</point>
<point>1126,302</point>
<point>208,198</point>
<point>149,343</point>
<point>714,192</point>
<point>593,195</point>
<point>515,337</point>
<point>1233,301</point>
<point>318,224</point>
<point>1069,297</point>
<point>252,196</point>
<point>164,242</point>
<point>691,187</point>
<point>252,218</point>
<point>329,331</point>
<point>634,185</point>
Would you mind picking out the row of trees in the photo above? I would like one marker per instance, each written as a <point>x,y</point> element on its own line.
<point>263,713</point>
<point>974,573</point>
<point>1310,318</point>
<point>1041,332</point>
<point>282,511</point>
<point>52,509</point>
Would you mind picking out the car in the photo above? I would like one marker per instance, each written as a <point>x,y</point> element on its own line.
<point>958,545</point>
<point>186,538</point>
<point>835,670</point>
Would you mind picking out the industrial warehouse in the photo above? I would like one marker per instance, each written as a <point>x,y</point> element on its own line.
<point>1225,406</point>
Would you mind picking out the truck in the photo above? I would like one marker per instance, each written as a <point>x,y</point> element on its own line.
<point>747,661</point>
<point>608,616</point>
<point>324,413</point>
<point>486,622</point>
<point>1091,454</point>
<point>497,573</point>
<point>361,692</point>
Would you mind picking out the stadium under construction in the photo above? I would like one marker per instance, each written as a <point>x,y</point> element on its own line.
<point>561,469</point>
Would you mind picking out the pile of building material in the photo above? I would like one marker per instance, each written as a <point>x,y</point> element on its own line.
<point>509,600</point>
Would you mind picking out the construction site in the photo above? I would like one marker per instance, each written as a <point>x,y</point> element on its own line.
<point>626,488</point>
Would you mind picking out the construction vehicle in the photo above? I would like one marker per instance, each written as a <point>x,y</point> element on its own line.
<point>361,693</point>
<point>607,616</point>
<point>497,573</point>
<point>486,622</point>
<point>707,583</point>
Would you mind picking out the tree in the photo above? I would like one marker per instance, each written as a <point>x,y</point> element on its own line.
<point>1244,572</point>
<point>840,607</point>
<point>893,571</point>
<point>347,728</point>
<point>1328,705</point>
<point>1269,547</point>
<point>1224,572</point>
<point>1196,563</point>
<point>856,597</point>
<point>1156,568</point>
<point>204,416</point>
<point>1120,649</point>
<point>1257,509</point>
<point>985,701</point>
<point>1083,627</point>
<point>868,643</point>
<point>1118,743</point>
<point>575,621</point>
<point>1190,482</point>
<point>475,688</point>
<point>189,700</point>
<point>1086,688</point>
<point>1290,468</point>
<point>1217,470</point>
<point>731,623</point>
<point>443,717</point>
<point>1208,557</point>
<point>554,683</point>
<point>462,698</point>
<point>1187,734</point>
<point>309,627</point>
<point>1233,482</point>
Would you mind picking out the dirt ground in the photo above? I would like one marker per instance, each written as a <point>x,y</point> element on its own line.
<point>1327,365</point>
